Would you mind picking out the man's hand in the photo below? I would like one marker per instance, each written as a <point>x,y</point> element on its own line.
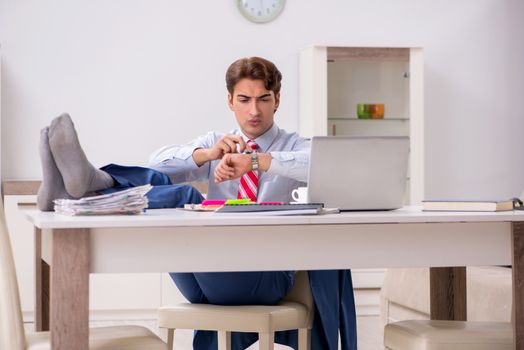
<point>227,144</point>
<point>232,166</point>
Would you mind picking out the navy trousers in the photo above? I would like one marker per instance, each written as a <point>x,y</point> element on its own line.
<point>164,194</point>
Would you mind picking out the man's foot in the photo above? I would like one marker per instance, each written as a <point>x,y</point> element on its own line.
<point>52,186</point>
<point>79,175</point>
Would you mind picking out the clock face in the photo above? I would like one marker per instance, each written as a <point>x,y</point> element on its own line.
<point>260,11</point>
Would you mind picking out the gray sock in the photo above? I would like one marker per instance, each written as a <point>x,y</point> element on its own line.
<point>79,175</point>
<point>52,186</point>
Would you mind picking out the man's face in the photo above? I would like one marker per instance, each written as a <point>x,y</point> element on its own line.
<point>254,107</point>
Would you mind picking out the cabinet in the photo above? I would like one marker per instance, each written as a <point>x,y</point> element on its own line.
<point>333,80</point>
<point>1,174</point>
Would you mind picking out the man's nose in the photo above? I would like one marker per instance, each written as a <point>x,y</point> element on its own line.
<point>253,108</point>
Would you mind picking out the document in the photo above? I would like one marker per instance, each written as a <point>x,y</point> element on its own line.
<point>127,202</point>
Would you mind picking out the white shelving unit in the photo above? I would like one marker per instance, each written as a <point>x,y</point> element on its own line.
<point>333,80</point>
<point>1,176</point>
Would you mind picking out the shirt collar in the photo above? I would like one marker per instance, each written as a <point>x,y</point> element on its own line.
<point>265,140</point>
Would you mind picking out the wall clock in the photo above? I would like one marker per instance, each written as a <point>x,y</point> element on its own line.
<point>260,11</point>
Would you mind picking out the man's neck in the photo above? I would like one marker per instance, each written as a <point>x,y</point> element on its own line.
<point>253,137</point>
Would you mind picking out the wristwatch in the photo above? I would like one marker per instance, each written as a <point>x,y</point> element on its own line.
<point>254,161</point>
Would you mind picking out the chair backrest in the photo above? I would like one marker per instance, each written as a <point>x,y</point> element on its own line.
<point>301,293</point>
<point>12,334</point>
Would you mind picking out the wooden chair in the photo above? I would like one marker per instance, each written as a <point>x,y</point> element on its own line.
<point>13,336</point>
<point>294,312</point>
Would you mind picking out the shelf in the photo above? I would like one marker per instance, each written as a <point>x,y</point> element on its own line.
<point>367,54</point>
<point>368,127</point>
<point>383,119</point>
<point>334,80</point>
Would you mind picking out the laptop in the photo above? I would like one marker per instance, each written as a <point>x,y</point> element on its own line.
<point>358,173</point>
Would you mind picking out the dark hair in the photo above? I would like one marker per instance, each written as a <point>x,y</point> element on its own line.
<point>255,68</point>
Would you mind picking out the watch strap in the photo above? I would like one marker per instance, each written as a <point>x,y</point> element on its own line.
<point>254,161</point>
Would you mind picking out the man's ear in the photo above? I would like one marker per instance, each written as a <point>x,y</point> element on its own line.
<point>277,101</point>
<point>230,101</point>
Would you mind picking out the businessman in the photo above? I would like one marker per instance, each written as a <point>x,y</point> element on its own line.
<point>258,160</point>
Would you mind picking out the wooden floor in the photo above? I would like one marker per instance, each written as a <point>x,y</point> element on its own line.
<point>369,333</point>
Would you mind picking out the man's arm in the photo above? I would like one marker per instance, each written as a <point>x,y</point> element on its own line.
<point>190,162</point>
<point>177,160</point>
<point>292,163</point>
<point>227,144</point>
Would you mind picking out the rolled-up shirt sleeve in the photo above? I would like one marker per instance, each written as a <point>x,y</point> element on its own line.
<point>294,163</point>
<point>290,164</point>
<point>177,160</point>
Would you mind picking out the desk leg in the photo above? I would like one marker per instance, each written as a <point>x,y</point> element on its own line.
<point>70,289</point>
<point>42,271</point>
<point>448,293</point>
<point>517,229</point>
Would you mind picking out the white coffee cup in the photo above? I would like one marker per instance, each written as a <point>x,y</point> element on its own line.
<point>299,195</point>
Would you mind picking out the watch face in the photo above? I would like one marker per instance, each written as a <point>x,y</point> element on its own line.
<point>260,11</point>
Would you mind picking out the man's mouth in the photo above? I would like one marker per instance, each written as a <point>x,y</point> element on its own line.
<point>254,122</point>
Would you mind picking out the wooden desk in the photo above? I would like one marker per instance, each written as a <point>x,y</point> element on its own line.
<point>175,240</point>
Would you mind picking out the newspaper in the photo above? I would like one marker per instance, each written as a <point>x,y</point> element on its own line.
<point>128,202</point>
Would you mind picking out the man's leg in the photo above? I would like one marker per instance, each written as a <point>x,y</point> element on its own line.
<point>234,288</point>
<point>162,195</point>
<point>80,176</point>
<point>244,288</point>
<point>52,186</point>
<point>65,164</point>
<point>172,196</point>
<point>188,286</point>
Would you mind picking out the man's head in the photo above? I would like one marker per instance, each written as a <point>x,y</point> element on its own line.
<point>254,94</point>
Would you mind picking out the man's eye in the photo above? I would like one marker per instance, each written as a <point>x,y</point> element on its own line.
<point>243,100</point>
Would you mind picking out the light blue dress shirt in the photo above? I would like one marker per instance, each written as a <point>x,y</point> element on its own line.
<point>288,169</point>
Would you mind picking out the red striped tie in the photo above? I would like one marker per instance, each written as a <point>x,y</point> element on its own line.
<point>248,187</point>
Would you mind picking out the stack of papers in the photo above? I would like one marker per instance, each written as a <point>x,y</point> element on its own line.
<point>130,202</point>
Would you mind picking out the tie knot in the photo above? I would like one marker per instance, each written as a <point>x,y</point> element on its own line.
<point>252,144</point>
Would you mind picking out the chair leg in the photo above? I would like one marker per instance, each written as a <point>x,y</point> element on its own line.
<point>266,341</point>
<point>224,340</point>
<point>304,339</point>
<point>170,335</point>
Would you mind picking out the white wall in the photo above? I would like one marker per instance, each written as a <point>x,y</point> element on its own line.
<point>135,75</point>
